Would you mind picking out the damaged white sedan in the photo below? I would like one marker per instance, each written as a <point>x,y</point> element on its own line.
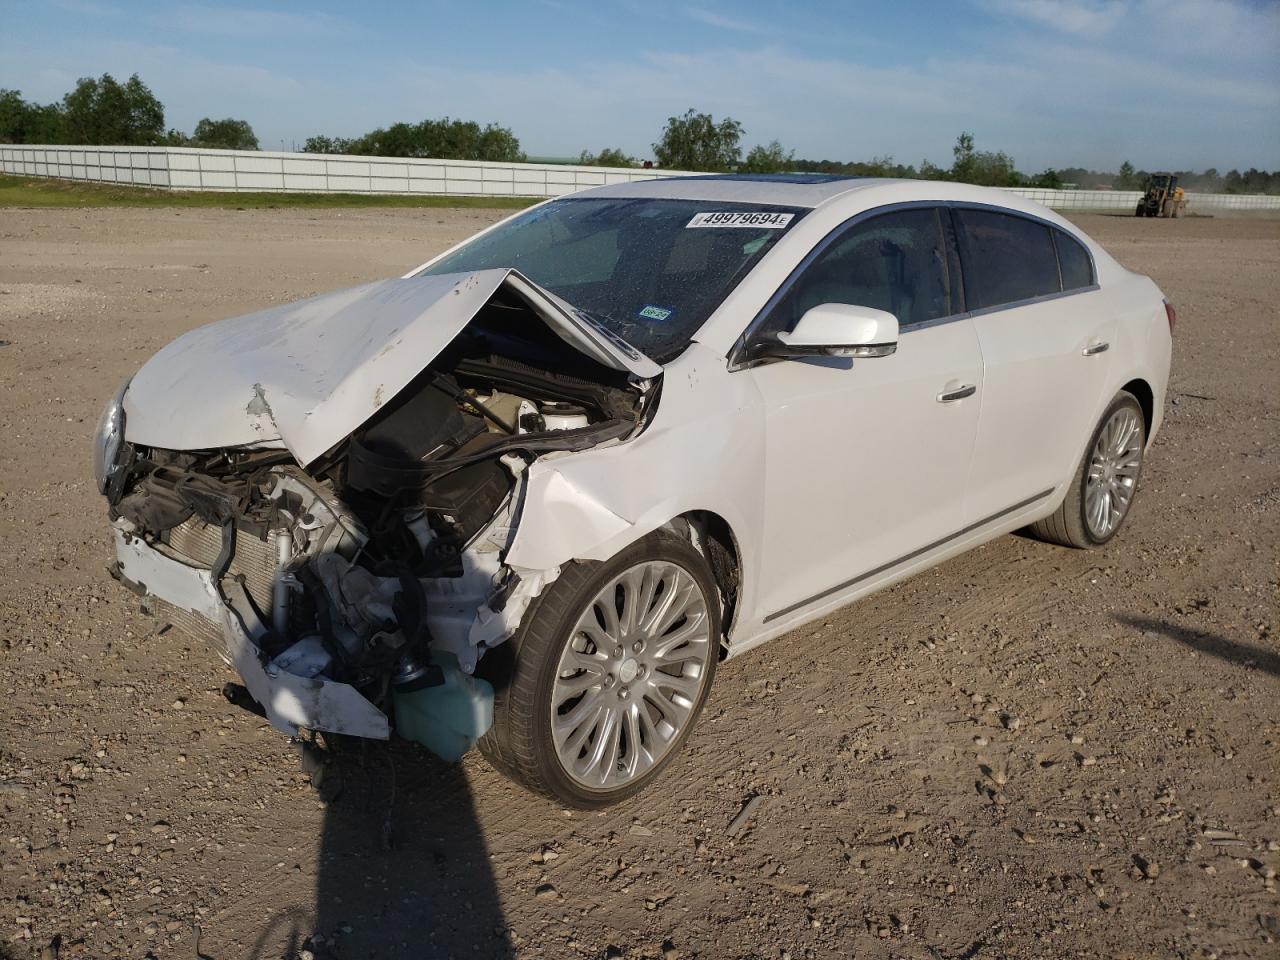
<point>530,493</point>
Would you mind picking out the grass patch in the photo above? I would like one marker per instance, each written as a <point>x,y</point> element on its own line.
<point>43,192</point>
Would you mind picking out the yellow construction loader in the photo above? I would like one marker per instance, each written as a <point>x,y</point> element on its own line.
<point>1162,197</point>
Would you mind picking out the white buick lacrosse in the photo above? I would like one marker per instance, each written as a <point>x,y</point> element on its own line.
<point>529,494</point>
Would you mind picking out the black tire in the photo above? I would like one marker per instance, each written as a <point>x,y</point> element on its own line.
<point>1141,209</point>
<point>519,744</point>
<point>1068,526</point>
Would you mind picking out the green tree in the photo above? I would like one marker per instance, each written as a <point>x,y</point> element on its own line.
<point>1049,180</point>
<point>875,167</point>
<point>46,124</point>
<point>13,117</point>
<point>499,144</point>
<point>104,111</point>
<point>445,139</point>
<point>322,144</point>
<point>994,169</point>
<point>931,171</point>
<point>608,157</point>
<point>1127,178</point>
<point>227,134</point>
<point>770,158</point>
<point>24,122</point>
<point>981,167</point>
<point>696,141</point>
<point>962,165</point>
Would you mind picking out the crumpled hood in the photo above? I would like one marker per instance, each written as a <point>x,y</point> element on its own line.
<point>309,373</point>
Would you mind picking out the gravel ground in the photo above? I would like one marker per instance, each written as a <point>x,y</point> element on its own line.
<point>1026,752</point>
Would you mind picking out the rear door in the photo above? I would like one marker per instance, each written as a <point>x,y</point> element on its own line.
<point>1045,341</point>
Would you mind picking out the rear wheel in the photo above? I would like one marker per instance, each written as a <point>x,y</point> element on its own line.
<point>1103,488</point>
<point>608,674</point>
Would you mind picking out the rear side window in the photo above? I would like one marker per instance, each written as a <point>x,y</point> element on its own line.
<point>1073,259</point>
<point>895,262</point>
<point>1006,258</point>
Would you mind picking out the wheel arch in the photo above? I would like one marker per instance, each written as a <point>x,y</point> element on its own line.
<point>1142,392</point>
<point>715,540</point>
<point>563,521</point>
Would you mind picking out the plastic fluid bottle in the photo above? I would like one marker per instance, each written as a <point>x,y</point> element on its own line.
<point>447,718</point>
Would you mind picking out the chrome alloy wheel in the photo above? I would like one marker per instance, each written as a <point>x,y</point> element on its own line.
<point>1113,472</point>
<point>631,674</point>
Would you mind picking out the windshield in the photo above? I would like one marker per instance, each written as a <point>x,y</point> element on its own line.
<point>649,270</point>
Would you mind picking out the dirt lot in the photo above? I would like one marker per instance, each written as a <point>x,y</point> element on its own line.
<point>1027,752</point>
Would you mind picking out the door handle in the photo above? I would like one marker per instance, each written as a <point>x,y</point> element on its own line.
<point>959,393</point>
<point>1095,348</point>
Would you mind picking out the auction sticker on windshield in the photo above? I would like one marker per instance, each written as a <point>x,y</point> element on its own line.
<point>769,220</point>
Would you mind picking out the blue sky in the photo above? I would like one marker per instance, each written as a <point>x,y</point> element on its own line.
<point>1163,83</point>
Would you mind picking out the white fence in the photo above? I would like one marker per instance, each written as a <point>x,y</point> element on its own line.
<point>1125,201</point>
<point>184,168</point>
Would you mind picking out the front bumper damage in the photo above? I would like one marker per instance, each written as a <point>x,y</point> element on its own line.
<point>328,494</point>
<point>290,701</point>
<point>226,604</point>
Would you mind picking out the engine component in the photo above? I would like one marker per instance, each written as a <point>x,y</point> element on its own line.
<point>517,410</point>
<point>559,415</point>
<point>395,458</point>
<point>374,570</point>
<point>252,559</point>
<point>447,717</point>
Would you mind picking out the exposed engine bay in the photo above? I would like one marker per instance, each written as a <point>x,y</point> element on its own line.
<point>380,565</point>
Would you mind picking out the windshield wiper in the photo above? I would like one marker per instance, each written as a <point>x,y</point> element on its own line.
<point>599,326</point>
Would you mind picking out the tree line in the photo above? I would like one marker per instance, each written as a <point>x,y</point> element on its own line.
<point>444,139</point>
<point>697,141</point>
<point>103,111</point>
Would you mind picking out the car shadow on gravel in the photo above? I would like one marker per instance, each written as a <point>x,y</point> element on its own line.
<point>402,872</point>
<point>1239,654</point>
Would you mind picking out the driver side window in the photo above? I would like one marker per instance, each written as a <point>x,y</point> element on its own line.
<point>895,262</point>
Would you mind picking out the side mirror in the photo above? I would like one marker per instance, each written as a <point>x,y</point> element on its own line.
<point>840,330</point>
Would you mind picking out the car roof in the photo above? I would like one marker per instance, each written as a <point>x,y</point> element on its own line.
<point>819,190</point>
<point>786,189</point>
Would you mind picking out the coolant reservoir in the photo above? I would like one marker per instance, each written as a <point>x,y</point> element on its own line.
<point>447,718</point>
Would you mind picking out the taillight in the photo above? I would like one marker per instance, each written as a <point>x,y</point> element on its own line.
<point>1171,313</point>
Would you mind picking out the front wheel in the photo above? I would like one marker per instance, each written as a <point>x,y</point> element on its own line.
<point>1103,488</point>
<point>606,676</point>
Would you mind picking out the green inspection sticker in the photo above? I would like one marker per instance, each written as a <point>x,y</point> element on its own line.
<point>650,312</point>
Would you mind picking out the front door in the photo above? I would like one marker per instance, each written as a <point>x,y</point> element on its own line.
<point>867,459</point>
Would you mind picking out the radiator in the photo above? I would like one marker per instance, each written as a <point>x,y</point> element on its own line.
<point>199,543</point>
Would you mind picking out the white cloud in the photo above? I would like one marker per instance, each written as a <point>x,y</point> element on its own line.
<point>1082,17</point>
<point>721,22</point>
<point>1062,101</point>
<point>189,86</point>
<point>1230,32</point>
<point>252,22</point>
<point>1047,95</point>
<point>88,8</point>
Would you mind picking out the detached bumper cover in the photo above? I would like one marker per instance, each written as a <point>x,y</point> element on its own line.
<point>290,701</point>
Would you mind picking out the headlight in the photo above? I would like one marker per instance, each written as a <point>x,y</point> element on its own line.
<point>108,443</point>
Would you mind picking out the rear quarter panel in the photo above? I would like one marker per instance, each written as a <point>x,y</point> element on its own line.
<point>1143,344</point>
